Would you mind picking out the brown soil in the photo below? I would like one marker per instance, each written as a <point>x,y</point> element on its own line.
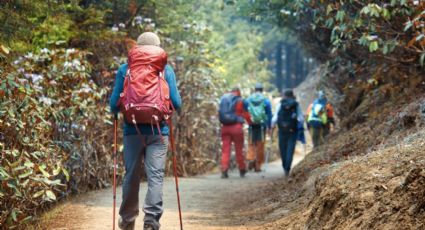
<point>383,190</point>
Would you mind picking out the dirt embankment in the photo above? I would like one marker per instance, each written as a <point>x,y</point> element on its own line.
<point>384,190</point>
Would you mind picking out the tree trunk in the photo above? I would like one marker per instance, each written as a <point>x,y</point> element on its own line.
<point>288,66</point>
<point>298,68</point>
<point>278,67</point>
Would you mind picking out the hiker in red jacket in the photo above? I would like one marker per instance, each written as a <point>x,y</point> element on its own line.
<point>144,144</point>
<point>232,116</point>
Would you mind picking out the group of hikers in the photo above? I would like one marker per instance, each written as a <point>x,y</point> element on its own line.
<point>256,110</point>
<point>146,93</point>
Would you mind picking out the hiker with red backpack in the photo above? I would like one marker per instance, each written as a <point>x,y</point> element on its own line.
<point>146,93</point>
<point>232,116</point>
<point>259,108</point>
<point>287,117</point>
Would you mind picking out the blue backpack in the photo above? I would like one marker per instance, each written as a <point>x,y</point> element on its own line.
<point>226,110</point>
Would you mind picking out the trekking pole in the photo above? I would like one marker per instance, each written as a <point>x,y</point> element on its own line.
<point>175,172</point>
<point>268,154</point>
<point>115,169</point>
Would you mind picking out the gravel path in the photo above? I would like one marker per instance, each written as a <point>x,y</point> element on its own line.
<point>204,201</point>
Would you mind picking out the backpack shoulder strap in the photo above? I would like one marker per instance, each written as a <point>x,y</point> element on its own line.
<point>235,100</point>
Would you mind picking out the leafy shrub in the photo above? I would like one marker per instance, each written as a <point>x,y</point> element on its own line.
<point>53,30</point>
<point>48,102</point>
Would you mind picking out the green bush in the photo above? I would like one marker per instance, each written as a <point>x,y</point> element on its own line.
<point>54,30</point>
<point>48,102</point>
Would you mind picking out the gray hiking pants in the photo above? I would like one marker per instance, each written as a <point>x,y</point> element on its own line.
<point>153,152</point>
<point>317,136</point>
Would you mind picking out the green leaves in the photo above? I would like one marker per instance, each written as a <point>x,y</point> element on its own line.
<point>65,172</point>
<point>47,195</point>
<point>50,196</point>
<point>13,215</point>
<point>340,15</point>
<point>373,46</point>
<point>385,49</point>
<point>420,37</point>
<point>386,14</point>
<point>4,49</point>
<point>329,22</point>
<point>372,10</point>
<point>408,25</point>
<point>38,194</point>
<point>3,174</point>
<point>25,174</point>
<point>44,172</point>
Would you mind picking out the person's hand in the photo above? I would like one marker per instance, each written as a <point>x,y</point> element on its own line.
<point>331,128</point>
<point>269,132</point>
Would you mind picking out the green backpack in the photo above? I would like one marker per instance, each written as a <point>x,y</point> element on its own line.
<point>257,109</point>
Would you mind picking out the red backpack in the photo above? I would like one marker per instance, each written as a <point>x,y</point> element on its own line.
<point>146,96</point>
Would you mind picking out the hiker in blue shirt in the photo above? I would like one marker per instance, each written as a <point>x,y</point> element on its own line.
<point>147,146</point>
<point>260,111</point>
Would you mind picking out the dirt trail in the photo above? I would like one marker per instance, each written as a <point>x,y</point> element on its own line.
<point>205,202</point>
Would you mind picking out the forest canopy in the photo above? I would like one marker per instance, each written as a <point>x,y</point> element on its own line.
<point>389,31</point>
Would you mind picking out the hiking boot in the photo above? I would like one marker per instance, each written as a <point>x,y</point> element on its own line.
<point>242,172</point>
<point>151,222</point>
<point>125,225</point>
<point>147,226</point>
<point>257,170</point>
<point>251,165</point>
<point>287,174</point>
<point>224,175</point>
<point>151,225</point>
